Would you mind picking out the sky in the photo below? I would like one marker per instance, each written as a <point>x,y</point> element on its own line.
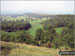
<point>45,7</point>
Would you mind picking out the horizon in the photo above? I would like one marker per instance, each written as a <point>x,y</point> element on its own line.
<point>41,7</point>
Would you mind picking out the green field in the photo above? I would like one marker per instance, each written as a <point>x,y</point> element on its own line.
<point>35,25</point>
<point>58,30</point>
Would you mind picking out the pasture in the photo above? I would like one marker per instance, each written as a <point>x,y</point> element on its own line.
<point>36,24</point>
<point>58,30</point>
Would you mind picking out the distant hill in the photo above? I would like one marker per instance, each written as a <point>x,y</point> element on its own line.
<point>38,15</point>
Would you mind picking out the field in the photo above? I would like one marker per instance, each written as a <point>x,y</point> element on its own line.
<point>58,30</point>
<point>35,25</point>
<point>14,49</point>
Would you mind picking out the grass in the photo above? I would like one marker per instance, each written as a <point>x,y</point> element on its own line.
<point>28,50</point>
<point>58,30</point>
<point>35,25</point>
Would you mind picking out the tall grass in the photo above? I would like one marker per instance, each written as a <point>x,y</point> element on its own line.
<point>25,50</point>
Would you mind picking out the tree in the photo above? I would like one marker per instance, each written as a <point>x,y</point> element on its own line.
<point>5,36</point>
<point>12,26</point>
<point>51,33</point>
<point>68,37</point>
<point>39,36</point>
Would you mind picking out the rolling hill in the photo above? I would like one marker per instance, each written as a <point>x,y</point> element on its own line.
<point>38,15</point>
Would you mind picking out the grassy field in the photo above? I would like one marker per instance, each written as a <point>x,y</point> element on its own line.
<point>35,25</point>
<point>15,49</point>
<point>58,30</point>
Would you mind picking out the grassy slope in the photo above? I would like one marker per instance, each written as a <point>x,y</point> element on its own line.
<point>24,49</point>
<point>35,25</point>
<point>58,30</point>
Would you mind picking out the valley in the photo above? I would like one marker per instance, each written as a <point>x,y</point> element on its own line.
<point>24,35</point>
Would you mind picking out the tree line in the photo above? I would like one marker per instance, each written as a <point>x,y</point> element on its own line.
<point>12,26</point>
<point>60,21</point>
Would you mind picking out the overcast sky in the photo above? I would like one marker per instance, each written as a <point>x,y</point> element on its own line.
<point>48,7</point>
